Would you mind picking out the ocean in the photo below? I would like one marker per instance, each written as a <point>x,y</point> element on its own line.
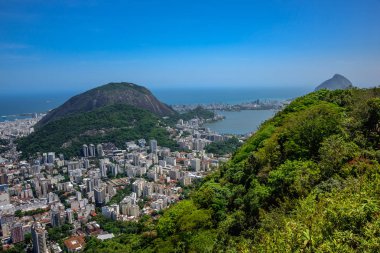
<point>13,106</point>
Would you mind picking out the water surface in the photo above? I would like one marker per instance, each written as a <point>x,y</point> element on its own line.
<point>240,122</point>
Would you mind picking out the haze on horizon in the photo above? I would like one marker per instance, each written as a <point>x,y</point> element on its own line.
<point>76,45</point>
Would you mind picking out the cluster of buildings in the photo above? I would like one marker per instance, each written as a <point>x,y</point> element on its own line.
<point>267,104</point>
<point>11,130</point>
<point>18,128</point>
<point>50,191</point>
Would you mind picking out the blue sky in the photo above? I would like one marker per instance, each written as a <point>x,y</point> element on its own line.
<point>63,45</point>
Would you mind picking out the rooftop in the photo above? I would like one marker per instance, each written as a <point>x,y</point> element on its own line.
<point>74,243</point>
<point>105,236</point>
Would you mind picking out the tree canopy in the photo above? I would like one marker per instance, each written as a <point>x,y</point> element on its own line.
<point>306,181</point>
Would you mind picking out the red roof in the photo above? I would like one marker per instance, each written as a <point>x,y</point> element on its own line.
<point>74,243</point>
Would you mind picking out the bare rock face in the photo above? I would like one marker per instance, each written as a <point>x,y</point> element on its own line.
<point>337,82</point>
<point>110,94</point>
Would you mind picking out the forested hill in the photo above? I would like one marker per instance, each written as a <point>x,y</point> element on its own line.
<point>307,181</point>
<point>106,95</point>
<point>115,112</point>
<point>115,123</point>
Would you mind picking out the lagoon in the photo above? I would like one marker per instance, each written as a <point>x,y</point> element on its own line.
<point>240,122</point>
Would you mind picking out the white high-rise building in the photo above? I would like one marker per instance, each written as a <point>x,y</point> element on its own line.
<point>100,195</point>
<point>89,183</point>
<point>39,238</point>
<point>99,149</point>
<point>70,217</point>
<point>136,159</point>
<point>103,168</point>
<point>79,195</point>
<point>51,157</point>
<point>138,186</point>
<point>114,170</point>
<point>153,146</point>
<point>44,158</point>
<point>91,150</point>
<point>134,210</point>
<point>85,150</point>
<point>55,217</point>
<point>86,163</point>
<point>195,164</point>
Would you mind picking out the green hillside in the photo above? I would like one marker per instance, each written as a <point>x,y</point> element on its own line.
<point>307,181</point>
<point>116,123</point>
<point>109,94</point>
<point>198,112</point>
<point>223,147</point>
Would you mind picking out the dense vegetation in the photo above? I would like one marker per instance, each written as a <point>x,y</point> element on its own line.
<point>198,112</point>
<point>112,87</point>
<point>4,145</point>
<point>115,123</point>
<point>118,227</point>
<point>307,181</point>
<point>4,142</point>
<point>58,234</point>
<point>120,195</point>
<point>224,147</point>
<point>106,95</point>
<point>24,246</point>
<point>20,213</point>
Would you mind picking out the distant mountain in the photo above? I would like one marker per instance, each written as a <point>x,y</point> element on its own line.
<point>106,95</point>
<point>337,82</point>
